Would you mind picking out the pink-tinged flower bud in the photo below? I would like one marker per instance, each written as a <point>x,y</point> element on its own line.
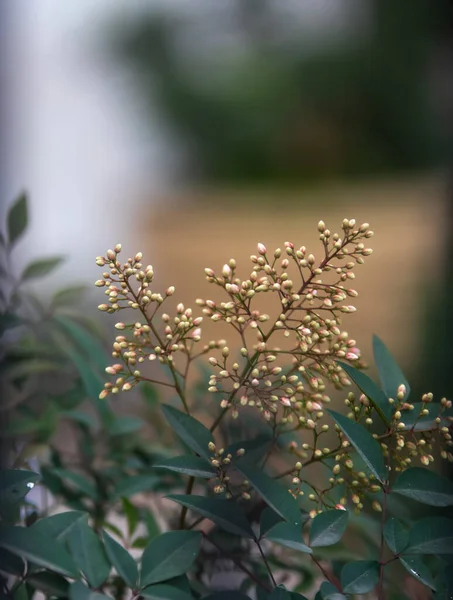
<point>262,249</point>
<point>100,283</point>
<point>138,257</point>
<point>285,401</point>
<point>255,382</point>
<point>111,255</point>
<point>226,270</point>
<point>321,226</point>
<point>117,248</point>
<point>196,334</point>
<point>197,321</point>
<point>120,326</point>
<point>316,406</point>
<point>126,387</point>
<point>103,307</point>
<point>233,288</point>
<point>100,261</point>
<point>351,356</point>
<point>103,394</point>
<point>180,308</point>
<point>110,370</point>
<point>340,507</point>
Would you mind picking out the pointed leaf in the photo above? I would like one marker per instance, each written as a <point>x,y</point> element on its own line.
<point>431,535</point>
<point>192,432</point>
<point>79,591</point>
<point>328,528</point>
<point>11,563</point>
<point>129,486</point>
<point>69,296</point>
<point>417,568</point>
<point>165,591</point>
<point>17,219</point>
<point>80,482</point>
<point>396,535</point>
<point>188,465</point>
<point>121,560</point>
<point>225,513</point>
<point>269,519</point>
<point>371,391</point>
<point>272,492</point>
<point>359,577</point>
<point>132,516</point>
<point>367,447</point>
<point>41,268</point>
<point>169,555</point>
<point>58,527</point>
<point>390,374</point>
<point>227,595</point>
<point>425,486</point>
<point>15,484</point>
<point>88,553</point>
<point>329,592</point>
<point>36,548</point>
<point>289,535</point>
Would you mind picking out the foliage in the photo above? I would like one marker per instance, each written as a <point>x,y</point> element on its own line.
<point>243,496</point>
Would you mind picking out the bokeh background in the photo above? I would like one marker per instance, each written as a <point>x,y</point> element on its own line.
<point>192,129</point>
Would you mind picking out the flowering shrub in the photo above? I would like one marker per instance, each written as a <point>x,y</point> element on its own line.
<point>252,496</point>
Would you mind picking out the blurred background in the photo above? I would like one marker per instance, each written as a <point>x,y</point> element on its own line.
<point>191,130</point>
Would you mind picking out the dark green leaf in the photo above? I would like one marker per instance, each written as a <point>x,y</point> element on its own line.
<point>15,484</point>
<point>121,560</point>
<point>225,513</point>
<point>227,595</point>
<point>188,465</point>
<point>279,593</point>
<point>192,432</point>
<point>35,547</point>
<point>328,528</point>
<point>431,535</point>
<point>125,425</point>
<point>367,447</point>
<point>417,568</point>
<point>21,592</point>
<point>169,555</point>
<point>79,482</point>
<point>425,486</point>
<point>289,535</point>
<point>152,525</point>
<point>88,553</point>
<point>329,592</point>
<point>113,529</point>
<point>51,584</point>
<point>272,492</point>
<point>41,268</point>
<point>135,485</point>
<point>269,519</point>
<point>132,516</point>
<point>396,535</point>
<point>374,393</point>
<point>413,419</point>
<point>359,577</point>
<point>254,449</point>
<point>57,527</point>
<point>165,591</point>
<point>11,563</point>
<point>84,341</point>
<point>390,374</point>
<point>17,219</point>
<point>9,321</point>
<point>79,591</point>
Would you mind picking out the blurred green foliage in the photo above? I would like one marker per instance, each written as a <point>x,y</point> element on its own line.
<point>270,112</point>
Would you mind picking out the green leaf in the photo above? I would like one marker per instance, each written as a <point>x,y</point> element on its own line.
<point>51,584</point>
<point>79,591</point>
<point>121,560</point>
<point>289,535</point>
<point>329,592</point>
<point>82,418</point>
<point>152,526</point>
<point>11,563</point>
<point>125,425</point>
<point>58,527</point>
<point>281,593</point>
<point>225,513</point>
<point>35,547</point>
<point>192,432</point>
<point>88,553</point>
<point>84,341</point>
<point>431,535</point>
<point>227,595</point>
<point>129,486</point>
<point>425,486</point>
<point>132,516</point>
<point>396,535</point>
<point>71,295</point>
<point>188,465</point>
<point>374,393</point>
<point>367,447</point>
<point>272,492</point>
<point>413,420</point>
<point>328,528</point>
<point>359,577</point>
<point>417,568</point>
<point>17,219</point>
<point>165,591</point>
<point>269,519</point>
<point>390,374</point>
<point>79,482</point>
<point>169,555</point>
<point>15,484</point>
<point>41,268</point>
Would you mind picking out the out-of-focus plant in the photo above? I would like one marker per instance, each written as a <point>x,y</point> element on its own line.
<point>277,485</point>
